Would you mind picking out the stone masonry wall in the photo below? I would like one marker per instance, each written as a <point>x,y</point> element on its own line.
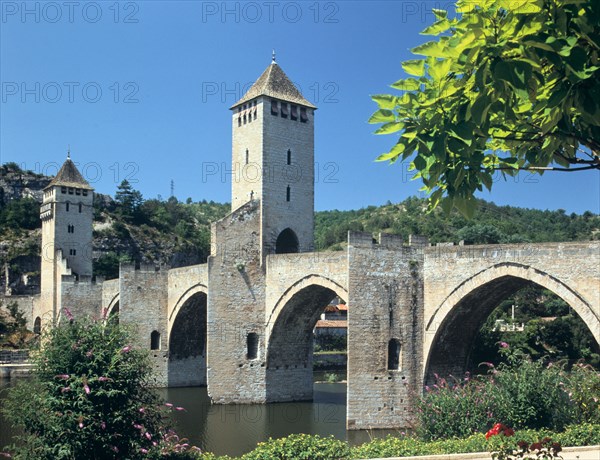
<point>143,304</point>
<point>385,298</point>
<point>281,135</point>
<point>236,303</point>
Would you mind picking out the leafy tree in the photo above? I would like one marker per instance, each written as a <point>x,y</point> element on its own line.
<point>507,85</point>
<point>23,213</point>
<point>88,398</point>
<point>107,265</point>
<point>128,199</point>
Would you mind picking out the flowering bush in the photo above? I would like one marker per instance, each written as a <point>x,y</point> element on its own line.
<point>89,398</point>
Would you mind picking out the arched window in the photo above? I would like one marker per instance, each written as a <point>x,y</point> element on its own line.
<point>37,326</point>
<point>393,355</point>
<point>155,340</point>
<point>252,346</point>
<point>287,242</point>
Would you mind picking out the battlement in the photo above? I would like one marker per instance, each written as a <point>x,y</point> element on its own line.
<point>141,268</point>
<point>81,279</point>
<point>382,240</point>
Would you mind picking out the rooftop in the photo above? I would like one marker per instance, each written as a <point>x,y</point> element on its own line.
<point>274,83</point>
<point>69,176</point>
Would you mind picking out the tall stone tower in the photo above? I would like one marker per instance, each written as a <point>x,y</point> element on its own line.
<point>273,161</point>
<point>67,216</point>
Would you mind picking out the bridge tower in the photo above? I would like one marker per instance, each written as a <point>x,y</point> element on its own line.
<point>273,161</point>
<point>66,215</point>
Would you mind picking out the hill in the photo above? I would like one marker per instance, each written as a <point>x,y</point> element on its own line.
<point>131,228</point>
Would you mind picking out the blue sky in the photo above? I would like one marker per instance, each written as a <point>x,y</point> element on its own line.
<point>141,90</point>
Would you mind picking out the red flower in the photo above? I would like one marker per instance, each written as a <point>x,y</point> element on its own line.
<point>499,428</point>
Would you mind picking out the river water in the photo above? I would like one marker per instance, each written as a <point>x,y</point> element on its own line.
<point>236,429</point>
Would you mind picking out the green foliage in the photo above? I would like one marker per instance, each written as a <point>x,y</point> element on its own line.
<point>22,214</point>
<point>490,224</point>
<point>331,342</point>
<point>551,331</point>
<point>88,398</point>
<point>300,447</point>
<point>129,200</point>
<point>13,331</point>
<point>502,87</point>
<point>521,394</point>
<point>107,265</point>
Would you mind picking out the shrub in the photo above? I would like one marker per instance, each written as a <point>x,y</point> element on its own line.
<point>300,447</point>
<point>88,398</point>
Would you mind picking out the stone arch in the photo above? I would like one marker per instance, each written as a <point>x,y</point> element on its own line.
<point>289,375</point>
<point>189,293</point>
<point>452,327</point>
<point>113,306</point>
<point>294,289</point>
<point>287,242</point>
<point>187,339</point>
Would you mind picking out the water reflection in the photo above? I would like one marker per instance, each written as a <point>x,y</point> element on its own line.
<point>236,428</point>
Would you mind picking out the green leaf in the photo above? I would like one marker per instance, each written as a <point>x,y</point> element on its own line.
<point>432,48</point>
<point>414,67</point>
<point>437,27</point>
<point>479,109</point>
<point>391,127</point>
<point>382,116</point>
<point>407,84</point>
<point>439,14</point>
<point>385,101</point>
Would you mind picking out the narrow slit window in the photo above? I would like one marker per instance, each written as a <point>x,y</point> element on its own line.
<point>155,340</point>
<point>284,110</point>
<point>288,193</point>
<point>80,207</point>
<point>294,112</point>
<point>303,115</point>
<point>252,346</point>
<point>247,156</point>
<point>67,206</point>
<point>393,355</point>
<point>289,157</point>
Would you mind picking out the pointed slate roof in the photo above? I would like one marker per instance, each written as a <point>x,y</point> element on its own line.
<point>69,176</point>
<point>274,83</point>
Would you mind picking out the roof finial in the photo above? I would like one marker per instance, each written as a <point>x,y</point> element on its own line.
<point>273,58</point>
<point>69,152</point>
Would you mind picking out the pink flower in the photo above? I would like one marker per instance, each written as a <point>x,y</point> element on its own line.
<point>103,379</point>
<point>504,345</point>
<point>80,424</point>
<point>168,404</point>
<point>86,389</point>
<point>180,408</point>
<point>65,389</point>
<point>104,312</point>
<point>126,349</point>
<point>103,425</point>
<point>142,410</point>
<point>114,448</point>
<point>62,376</point>
<point>137,427</point>
<point>148,436</point>
<point>144,451</point>
<point>5,454</point>
<point>68,314</point>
